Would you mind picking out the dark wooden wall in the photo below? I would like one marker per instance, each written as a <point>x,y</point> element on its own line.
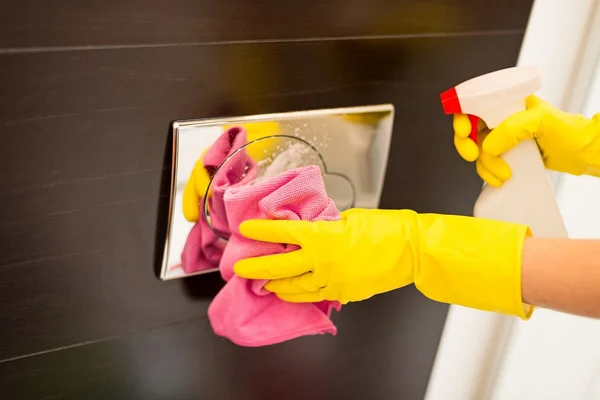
<point>88,89</point>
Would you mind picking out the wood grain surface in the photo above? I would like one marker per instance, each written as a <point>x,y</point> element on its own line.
<point>59,23</point>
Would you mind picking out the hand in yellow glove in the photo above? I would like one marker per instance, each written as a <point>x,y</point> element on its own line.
<point>460,260</point>
<point>569,143</point>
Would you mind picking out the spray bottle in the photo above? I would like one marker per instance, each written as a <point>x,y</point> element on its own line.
<point>528,197</point>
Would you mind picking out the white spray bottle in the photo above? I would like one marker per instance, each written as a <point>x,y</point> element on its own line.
<point>528,197</point>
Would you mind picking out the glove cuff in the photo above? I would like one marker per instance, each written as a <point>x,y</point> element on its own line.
<point>592,147</point>
<point>472,262</point>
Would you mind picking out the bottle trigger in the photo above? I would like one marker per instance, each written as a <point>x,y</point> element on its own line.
<point>474,123</point>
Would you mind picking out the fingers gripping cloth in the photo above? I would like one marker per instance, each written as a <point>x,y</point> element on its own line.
<point>203,249</point>
<point>243,311</point>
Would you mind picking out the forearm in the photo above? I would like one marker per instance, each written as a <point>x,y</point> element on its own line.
<point>563,275</point>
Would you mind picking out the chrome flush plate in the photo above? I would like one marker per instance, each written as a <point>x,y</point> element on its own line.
<point>354,141</point>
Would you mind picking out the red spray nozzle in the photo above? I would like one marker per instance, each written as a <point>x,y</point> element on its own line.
<point>450,102</point>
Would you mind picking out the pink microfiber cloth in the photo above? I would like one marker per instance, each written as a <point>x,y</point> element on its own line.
<point>203,248</point>
<point>243,311</point>
<point>239,170</point>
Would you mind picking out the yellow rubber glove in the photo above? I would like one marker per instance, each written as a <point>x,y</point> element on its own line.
<point>569,143</point>
<point>459,260</point>
<point>195,189</point>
